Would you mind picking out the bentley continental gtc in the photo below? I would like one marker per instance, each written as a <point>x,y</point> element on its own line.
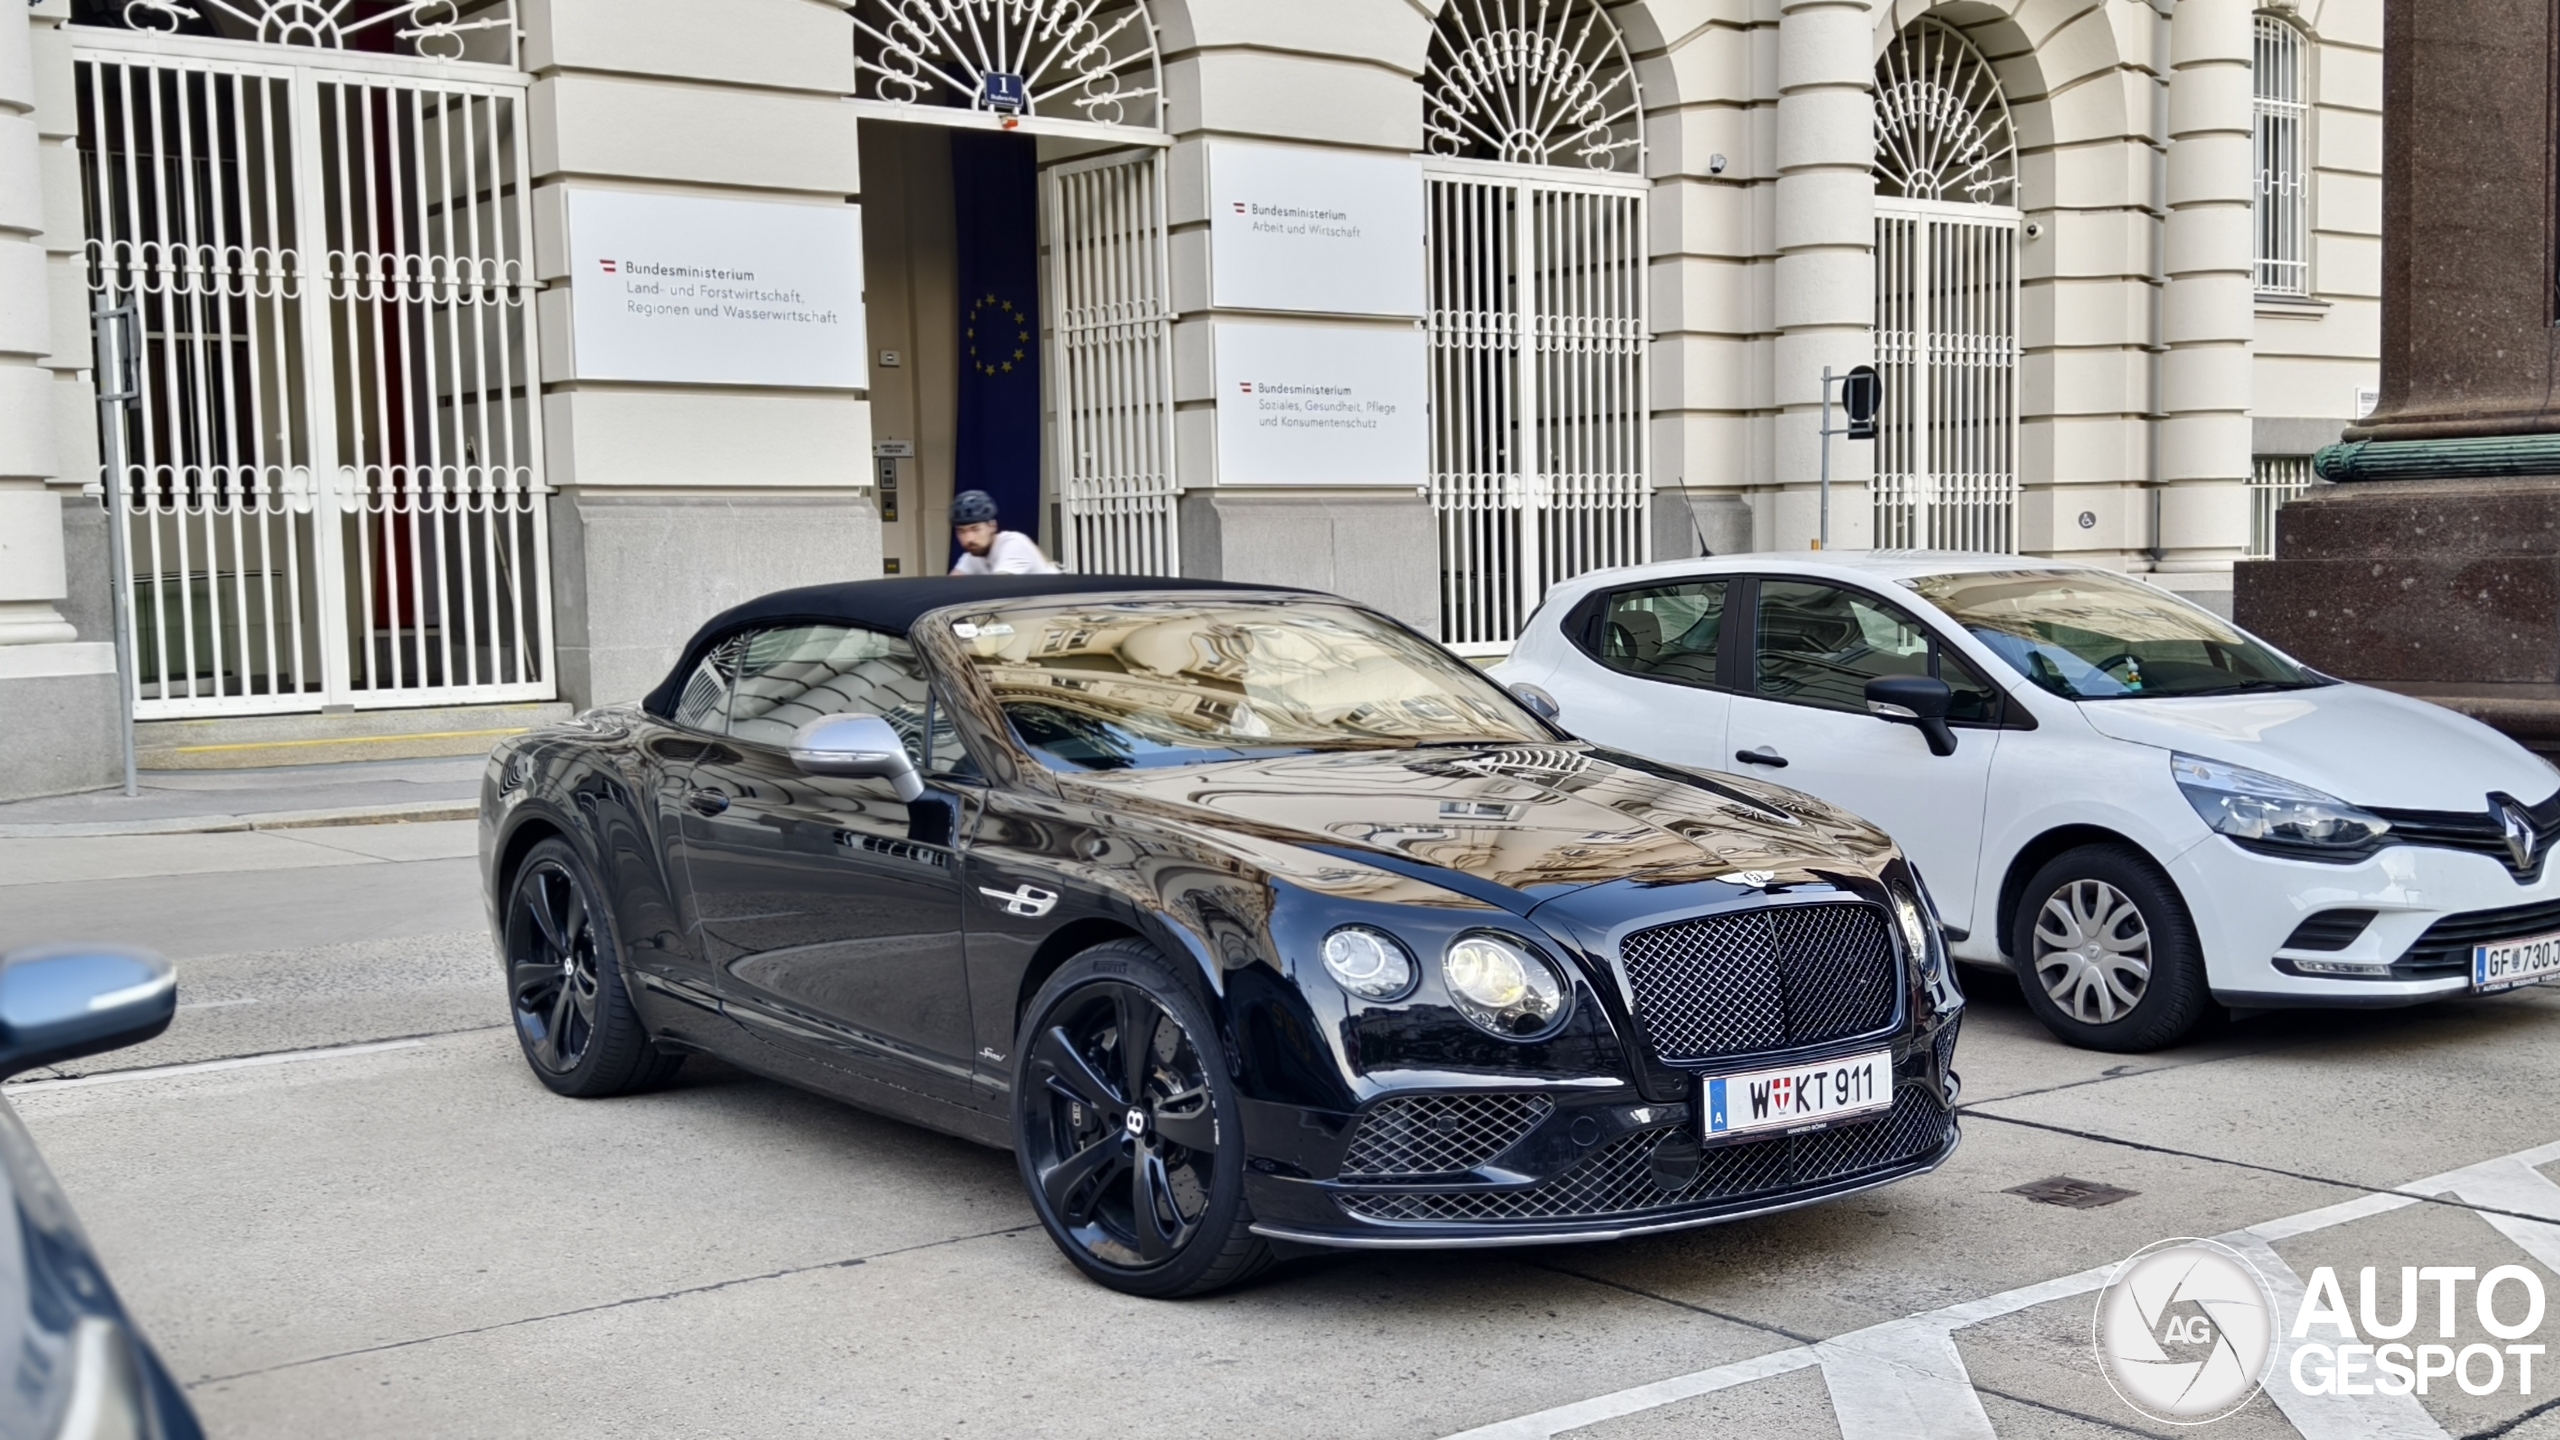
<point>1249,920</point>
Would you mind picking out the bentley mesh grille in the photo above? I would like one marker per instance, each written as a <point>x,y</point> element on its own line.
<point>1760,980</point>
<point>1618,1178</point>
<point>1439,1134</point>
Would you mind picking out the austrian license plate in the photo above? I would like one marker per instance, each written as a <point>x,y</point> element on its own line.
<point>2511,963</point>
<point>1796,1097</point>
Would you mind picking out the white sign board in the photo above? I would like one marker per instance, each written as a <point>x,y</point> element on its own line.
<point>1320,230</point>
<point>715,292</point>
<point>1322,405</point>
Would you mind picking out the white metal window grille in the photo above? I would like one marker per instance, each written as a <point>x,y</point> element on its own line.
<point>1085,60</point>
<point>476,30</point>
<point>1532,82</point>
<point>1112,380</point>
<point>331,484</point>
<point>1947,351</point>
<point>2273,480</point>
<point>2284,183</point>
<point>1942,124</point>
<point>1946,324</point>
<point>1538,340</point>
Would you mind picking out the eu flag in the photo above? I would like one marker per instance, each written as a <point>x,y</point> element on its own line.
<point>995,210</point>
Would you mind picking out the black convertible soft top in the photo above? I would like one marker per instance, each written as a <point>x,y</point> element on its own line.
<point>892,607</point>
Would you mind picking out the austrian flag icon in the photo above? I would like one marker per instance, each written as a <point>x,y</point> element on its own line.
<point>1245,386</point>
<point>608,267</point>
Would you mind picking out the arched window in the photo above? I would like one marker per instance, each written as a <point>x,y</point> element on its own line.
<point>1534,133</point>
<point>1533,82</point>
<point>1942,125</point>
<point>425,29</point>
<point>1092,60</point>
<point>2282,114</point>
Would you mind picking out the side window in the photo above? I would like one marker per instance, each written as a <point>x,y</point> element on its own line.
<point>1820,645</point>
<point>791,675</point>
<point>704,705</point>
<point>1665,632</point>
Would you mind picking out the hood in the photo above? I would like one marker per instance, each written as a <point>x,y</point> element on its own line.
<point>2365,746</point>
<point>1537,820</point>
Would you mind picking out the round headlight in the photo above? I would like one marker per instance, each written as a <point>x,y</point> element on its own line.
<point>1503,987</point>
<point>1368,963</point>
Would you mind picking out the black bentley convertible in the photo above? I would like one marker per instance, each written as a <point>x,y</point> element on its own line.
<point>1248,919</point>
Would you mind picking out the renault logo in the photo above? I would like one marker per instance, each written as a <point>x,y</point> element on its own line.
<point>2516,823</point>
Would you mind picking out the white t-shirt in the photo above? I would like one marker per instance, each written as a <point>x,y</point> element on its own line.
<point>1014,553</point>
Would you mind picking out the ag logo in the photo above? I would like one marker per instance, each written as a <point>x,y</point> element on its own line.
<point>2183,1331</point>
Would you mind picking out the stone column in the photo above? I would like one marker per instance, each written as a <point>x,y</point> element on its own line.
<point>31,569</point>
<point>2209,315</point>
<point>1826,231</point>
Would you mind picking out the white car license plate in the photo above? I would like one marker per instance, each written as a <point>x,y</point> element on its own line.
<point>2511,963</point>
<point>1796,1097</point>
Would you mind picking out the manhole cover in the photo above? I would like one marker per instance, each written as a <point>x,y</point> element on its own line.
<point>2077,1194</point>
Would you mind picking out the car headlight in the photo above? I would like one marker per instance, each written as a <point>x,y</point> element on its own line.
<point>2266,812</point>
<point>1368,963</point>
<point>1504,988</point>
<point>1914,927</point>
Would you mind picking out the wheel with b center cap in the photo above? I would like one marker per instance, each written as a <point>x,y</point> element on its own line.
<point>1126,1128</point>
<point>2106,953</point>
<point>564,983</point>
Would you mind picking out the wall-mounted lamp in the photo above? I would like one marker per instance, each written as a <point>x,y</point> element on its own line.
<point>1715,164</point>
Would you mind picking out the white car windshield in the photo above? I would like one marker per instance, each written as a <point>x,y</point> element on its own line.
<point>1116,685</point>
<point>2091,635</point>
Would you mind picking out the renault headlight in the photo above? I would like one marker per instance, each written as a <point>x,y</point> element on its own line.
<point>1503,987</point>
<point>2266,812</point>
<point>1369,963</point>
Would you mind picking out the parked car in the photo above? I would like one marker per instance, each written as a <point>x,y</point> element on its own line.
<point>82,1370</point>
<point>1249,919</point>
<point>2137,805</point>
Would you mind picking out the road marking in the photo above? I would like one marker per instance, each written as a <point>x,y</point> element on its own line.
<point>1906,1378</point>
<point>213,1004</point>
<point>207,1067</point>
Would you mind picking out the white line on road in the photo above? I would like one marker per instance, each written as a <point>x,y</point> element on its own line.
<point>213,1004</point>
<point>207,1067</point>
<point>1905,1377</point>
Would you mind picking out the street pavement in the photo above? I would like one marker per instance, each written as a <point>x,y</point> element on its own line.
<point>341,1206</point>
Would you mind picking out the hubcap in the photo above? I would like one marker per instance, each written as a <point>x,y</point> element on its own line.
<point>551,967</point>
<point>1119,1125</point>
<point>2092,952</point>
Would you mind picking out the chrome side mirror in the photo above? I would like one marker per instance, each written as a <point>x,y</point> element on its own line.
<point>857,745</point>
<point>1919,701</point>
<point>60,1002</point>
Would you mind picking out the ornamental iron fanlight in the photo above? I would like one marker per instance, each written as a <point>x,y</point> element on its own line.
<point>1092,60</point>
<point>481,30</point>
<point>1534,82</point>
<point>1942,125</point>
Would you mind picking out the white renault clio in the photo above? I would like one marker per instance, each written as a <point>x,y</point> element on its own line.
<point>2139,807</point>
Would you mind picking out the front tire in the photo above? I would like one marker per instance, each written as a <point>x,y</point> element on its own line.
<point>564,983</point>
<point>1127,1128</point>
<point>2106,953</point>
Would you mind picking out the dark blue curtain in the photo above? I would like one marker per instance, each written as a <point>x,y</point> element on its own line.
<point>995,197</point>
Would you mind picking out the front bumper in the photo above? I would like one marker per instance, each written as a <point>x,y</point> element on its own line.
<point>1599,1163</point>
<point>2247,905</point>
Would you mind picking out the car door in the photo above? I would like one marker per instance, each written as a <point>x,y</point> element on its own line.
<point>1802,721</point>
<point>832,921</point>
<point>1645,671</point>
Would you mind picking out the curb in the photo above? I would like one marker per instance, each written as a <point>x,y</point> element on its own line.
<point>414,810</point>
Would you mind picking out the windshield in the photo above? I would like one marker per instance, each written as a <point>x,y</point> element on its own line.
<point>2092,635</point>
<point>1110,686</point>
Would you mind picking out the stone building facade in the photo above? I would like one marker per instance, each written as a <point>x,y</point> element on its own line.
<point>2118,261</point>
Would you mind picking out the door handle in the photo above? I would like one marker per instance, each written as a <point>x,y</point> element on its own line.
<point>1762,756</point>
<point>712,802</point>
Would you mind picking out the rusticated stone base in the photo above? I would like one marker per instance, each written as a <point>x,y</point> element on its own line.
<point>2445,589</point>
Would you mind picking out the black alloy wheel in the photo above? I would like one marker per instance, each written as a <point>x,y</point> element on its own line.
<point>2106,953</point>
<point>1125,1126</point>
<point>564,983</point>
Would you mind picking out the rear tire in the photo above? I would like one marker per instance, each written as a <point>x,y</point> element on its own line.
<point>564,983</point>
<point>1134,1162</point>
<point>2106,953</point>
